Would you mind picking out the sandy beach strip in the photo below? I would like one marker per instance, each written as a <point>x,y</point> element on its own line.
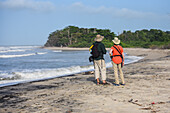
<point>147,90</point>
<point>68,48</point>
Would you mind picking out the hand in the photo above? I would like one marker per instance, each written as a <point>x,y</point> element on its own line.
<point>111,57</point>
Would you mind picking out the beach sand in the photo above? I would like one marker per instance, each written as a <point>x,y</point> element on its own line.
<point>66,48</point>
<point>147,90</point>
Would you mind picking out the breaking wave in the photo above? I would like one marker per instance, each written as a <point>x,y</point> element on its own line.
<point>40,74</point>
<point>57,51</point>
<point>38,66</point>
<point>22,55</point>
<point>16,49</point>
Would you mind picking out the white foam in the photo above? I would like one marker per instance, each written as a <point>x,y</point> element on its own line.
<point>48,73</point>
<point>132,59</point>
<point>41,74</point>
<point>42,53</point>
<point>22,47</point>
<point>22,55</point>
<point>57,51</point>
<point>12,56</point>
<point>16,48</point>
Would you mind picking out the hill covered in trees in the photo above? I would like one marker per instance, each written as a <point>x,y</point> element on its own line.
<point>72,36</point>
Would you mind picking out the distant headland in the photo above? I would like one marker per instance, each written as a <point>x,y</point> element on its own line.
<point>73,36</point>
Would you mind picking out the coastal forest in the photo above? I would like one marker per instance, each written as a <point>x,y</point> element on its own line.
<point>73,36</point>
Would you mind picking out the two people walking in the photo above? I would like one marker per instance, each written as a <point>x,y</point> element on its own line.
<point>117,56</point>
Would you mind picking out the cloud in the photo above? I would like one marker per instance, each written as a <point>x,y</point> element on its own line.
<point>28,4</point>
<point>116,12</point>
<point>79,7</point>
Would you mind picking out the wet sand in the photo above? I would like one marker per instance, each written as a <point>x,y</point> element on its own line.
<point>147,90</point>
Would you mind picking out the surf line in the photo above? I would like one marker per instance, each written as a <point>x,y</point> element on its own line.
<point>12,56</point>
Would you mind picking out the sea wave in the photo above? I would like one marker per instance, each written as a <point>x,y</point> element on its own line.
<point>16,48</point>
<point>22,47</point>
<point>41,74</point>
<point>57,51</point>
<point>50,73</point>
<point>21,55</point>
<point>132,59</point>
<point>28,75</point>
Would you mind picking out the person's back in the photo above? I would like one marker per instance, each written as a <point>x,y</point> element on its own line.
<point>115,53</point>
<point>101,50</point>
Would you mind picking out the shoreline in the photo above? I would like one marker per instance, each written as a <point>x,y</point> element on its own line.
<point>43,79</point>
<point>147,81</point>
<point>84,49</point>
<point>68,48</point>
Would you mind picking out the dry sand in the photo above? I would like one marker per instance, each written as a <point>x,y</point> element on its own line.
<point>66,48</point>
<point>147,90</point>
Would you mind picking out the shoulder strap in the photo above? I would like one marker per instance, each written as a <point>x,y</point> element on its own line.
<point>117,50</point>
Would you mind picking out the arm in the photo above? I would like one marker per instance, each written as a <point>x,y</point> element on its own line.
<point>110,53</point>
<point>123,56</point>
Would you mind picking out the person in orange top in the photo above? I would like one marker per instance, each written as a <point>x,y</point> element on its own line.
<point>117,55</point>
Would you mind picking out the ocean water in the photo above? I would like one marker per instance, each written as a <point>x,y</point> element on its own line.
<point>20,64</point>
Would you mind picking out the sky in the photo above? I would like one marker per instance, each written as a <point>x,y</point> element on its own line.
<point>29,22</point>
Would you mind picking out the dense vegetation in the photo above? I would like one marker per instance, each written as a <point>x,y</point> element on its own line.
<point>146,38</point>
<point>72,36</point>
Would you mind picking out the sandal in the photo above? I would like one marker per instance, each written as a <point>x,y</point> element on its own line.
<point>105,83</point>
<point>115,84</point>
<point>122,84</point>
<point>97,83</point>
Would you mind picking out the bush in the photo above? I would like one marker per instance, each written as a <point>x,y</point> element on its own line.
<point>165,46</point>
<point>125,45</point>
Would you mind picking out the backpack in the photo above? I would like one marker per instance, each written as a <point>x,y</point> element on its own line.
<point>95,53</point>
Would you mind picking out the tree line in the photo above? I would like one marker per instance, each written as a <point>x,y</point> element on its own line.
<point>73,36</point>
